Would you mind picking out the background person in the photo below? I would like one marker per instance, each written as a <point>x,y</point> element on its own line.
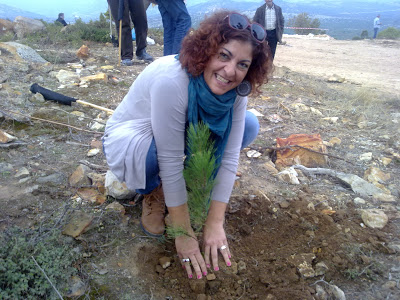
<point>144,140</point>
<point>61,19</point>
<point>377,25</point>
<point>270,16</point>
<point>139,20</point>
<point>176,22</point>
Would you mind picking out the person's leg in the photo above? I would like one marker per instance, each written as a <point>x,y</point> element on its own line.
<point>375,32</point>
<point>153,204</point>
<point>182,21</point>
<point>126,34</point>
<point>168,25</point>
<point>139,20</point>
<point>272,41</point>
<point>152,178</point>
<point>251,128</point>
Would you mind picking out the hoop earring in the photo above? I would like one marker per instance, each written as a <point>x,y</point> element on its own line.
<point>244,88</point>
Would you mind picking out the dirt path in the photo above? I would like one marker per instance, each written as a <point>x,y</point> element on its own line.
<point>372,63</point>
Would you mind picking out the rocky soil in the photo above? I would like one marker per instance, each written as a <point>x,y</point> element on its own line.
<point>303,236</point>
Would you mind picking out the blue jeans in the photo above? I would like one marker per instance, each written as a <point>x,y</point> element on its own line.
<point>375,31</point>
<point>176,22</point>
<point>153,180</point>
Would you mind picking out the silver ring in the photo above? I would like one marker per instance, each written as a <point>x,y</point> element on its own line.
<point>184,260</point>
<point>223,247</point>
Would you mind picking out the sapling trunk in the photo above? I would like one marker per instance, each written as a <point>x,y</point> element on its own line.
<point>199,174</point>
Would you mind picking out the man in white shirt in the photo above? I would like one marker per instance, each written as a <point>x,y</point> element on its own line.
<point>377,25</point>
<point>271,18</point>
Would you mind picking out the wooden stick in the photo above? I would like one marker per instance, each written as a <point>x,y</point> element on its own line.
<point>107,110</point>
<point>119,41</point>
<point>48,279</point>
<point>54,122</point>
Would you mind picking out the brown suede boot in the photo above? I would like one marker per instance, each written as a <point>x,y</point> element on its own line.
<point>153,212</point>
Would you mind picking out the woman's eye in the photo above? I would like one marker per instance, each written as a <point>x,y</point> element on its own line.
<point>223,56</point>
<point>243,66</point>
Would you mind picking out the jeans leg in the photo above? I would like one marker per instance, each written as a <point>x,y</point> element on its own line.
<point>168,25</point>
<point>375,32</point>
<point>183,24</point>
<point>152,170</point>
<point>179,20</point>
<point>251,128</point>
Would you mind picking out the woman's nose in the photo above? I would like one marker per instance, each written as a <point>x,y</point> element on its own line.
<point>230,69</point>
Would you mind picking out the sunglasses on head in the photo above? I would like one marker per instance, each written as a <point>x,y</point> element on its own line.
<point>240,22</point>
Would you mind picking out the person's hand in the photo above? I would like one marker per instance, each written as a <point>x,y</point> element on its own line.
<point>214,240</point>
<point>188,249</point>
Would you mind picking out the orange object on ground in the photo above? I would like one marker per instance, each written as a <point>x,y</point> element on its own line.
<point>296,155</point>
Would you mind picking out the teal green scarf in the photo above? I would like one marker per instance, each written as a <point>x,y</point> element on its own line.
<point>214,110</point>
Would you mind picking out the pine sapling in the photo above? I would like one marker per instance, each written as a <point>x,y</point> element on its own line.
<point>199,174</point>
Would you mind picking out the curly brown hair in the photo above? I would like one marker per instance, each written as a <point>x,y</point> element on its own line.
<point>199,46</point>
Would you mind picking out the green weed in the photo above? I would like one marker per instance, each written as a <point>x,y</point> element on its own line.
<point>20,277</point>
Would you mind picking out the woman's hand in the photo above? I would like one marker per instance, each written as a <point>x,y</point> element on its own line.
<point>187,245</point>
<point>188,248</point>
<point>214,237</point>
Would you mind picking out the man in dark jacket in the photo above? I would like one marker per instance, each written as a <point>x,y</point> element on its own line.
<point>61,19</point>
<point>270,16</point>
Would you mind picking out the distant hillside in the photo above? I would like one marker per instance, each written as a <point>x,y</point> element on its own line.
<point>344,21</point>
<point>9,13</point>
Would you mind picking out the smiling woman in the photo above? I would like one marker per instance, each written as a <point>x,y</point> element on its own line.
<point>144,140</point>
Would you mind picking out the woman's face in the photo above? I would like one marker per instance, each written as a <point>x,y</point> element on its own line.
<point>227,69</point>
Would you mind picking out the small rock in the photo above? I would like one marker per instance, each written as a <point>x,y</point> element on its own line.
<point>165,262</point>
<point>241,266</point>
<point>67,77</point>
<point>336,79</point>
<point>284,204</point>
<point>270,166</point>
<point>321,268</point>
<point>6,138</point>
<point>253,154</point>
<point>96,126</point>
<point>289,175</point>
<point>386,161</point>
<point>83,52</point>
<point>93,152</point>
<point>198,286</point>
<point>335,141</point>
<point>390,285</point>
<point>366,156</point>
<point>211,276</point>
<point>79,177</point>
<point>117,207</point>
<point>303,263</point>
<point>116,189</point>
<point>78,223</point>
<point>22,173</point>
<point>359,201</point>
<point>375,175</point>
<point>384,197</point>
<point>77,288</point>
<point>374,218</point>
<point>160,270</point>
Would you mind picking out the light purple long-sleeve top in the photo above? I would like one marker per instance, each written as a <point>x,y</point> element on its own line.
<point>156,107</point>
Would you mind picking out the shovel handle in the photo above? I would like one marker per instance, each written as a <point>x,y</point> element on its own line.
<point>107,110</point>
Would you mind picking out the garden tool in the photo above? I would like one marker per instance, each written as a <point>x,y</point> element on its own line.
<point>62,99</point>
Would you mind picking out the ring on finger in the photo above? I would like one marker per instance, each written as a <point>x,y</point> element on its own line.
<point>185,260</point>
<point>223,247</point>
